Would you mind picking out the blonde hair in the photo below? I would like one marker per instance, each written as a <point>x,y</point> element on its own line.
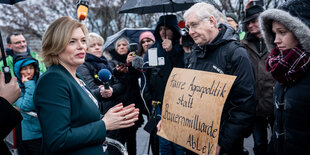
<point>57,37</point>
<point>94,35</point>
<point>203,11</point>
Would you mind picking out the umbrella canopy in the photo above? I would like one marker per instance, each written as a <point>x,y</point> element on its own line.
<point>157,6</point>
<point>131,33</point>
<point>10,1</point>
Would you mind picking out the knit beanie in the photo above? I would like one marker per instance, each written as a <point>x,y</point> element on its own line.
<point>233,16</point>
<point>146,34</point>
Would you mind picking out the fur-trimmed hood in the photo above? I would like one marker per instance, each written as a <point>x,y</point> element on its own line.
<point>296,23</point>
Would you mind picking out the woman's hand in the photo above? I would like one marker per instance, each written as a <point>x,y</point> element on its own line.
<point>106,93</point>
<point>130,57</point>
<point>122,68</point>
<point>121,117</point>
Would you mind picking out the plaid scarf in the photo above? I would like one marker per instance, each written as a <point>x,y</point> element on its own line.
<point>288,66</point>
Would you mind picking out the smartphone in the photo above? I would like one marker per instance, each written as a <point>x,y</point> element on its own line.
<point>121,65</point>
<point>133,47</point>
<point>153,59</point>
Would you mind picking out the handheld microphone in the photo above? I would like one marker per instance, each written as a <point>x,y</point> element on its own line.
<point>105,76</point>
<point>137,62</point>
<point>82,9</point>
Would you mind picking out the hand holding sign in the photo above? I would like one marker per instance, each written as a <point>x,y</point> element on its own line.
<point>192,107</point>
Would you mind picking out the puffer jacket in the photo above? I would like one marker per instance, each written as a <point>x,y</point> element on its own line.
<point>264,81</point>
<point>239,109</point>
<point>30,124</point>
<point>291,129</point>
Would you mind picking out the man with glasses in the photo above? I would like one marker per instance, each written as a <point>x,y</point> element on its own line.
<point>217,50</point>
<point>17,46</point>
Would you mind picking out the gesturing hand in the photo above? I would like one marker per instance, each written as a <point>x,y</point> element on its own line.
<point>121,117</point>
<point>130,57</point>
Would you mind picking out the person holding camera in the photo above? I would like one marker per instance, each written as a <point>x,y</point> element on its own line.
<point>167,35</point>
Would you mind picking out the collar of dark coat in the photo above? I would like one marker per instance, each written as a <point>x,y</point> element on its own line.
<point>225,35</point>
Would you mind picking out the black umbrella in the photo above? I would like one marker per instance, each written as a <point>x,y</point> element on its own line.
<point>10,1</point>
<point>131,33</point>
<point>157,6</point>
<point>6,69</point>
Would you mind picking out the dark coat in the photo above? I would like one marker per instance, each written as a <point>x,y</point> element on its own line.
<point>157,76</point>
<point>239,109</point>
<point>89,71</point>
<point>70,120</point>
<point>264,81</point>
<point>291,128</point>
<point>9,118</point>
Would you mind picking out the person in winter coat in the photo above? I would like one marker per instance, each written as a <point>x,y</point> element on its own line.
<point>94,62</point>
<point>254,44</point>
<point>167,35</point>
<point>26,70</point>
<point>218,50</point>
<point>70,120</point>
<point>146,40</point>
<point>17,46</point>
<point>287,35</point>
<point>129,92</point>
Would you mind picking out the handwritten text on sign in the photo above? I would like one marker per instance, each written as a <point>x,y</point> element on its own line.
<point>192,108</point>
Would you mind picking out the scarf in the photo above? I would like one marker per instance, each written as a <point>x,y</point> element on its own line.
<point>288,66</point>
<point>98,63</point>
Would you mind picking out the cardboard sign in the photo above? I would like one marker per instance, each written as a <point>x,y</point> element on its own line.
<point>192,108</point>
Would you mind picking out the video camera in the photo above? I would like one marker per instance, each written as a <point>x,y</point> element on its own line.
<point>187,40</point>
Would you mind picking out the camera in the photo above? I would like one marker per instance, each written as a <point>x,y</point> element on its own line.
<point>187,40</point>
<point>133,47</point>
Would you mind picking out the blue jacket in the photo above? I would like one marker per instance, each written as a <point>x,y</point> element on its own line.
<point>30,124</point>
<point>70,120</point>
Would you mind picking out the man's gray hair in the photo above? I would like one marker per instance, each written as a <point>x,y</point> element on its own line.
<point>203,10</point>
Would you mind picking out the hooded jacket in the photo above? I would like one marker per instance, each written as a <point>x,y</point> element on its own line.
<point>157,76</point>
<point>11,56</point>
<point>30,125</point>
<point>239,109</point>
<point>291,129</point>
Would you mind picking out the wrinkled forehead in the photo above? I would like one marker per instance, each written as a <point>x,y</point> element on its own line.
<point>191,18</point>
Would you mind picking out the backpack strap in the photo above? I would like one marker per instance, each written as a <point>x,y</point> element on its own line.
<point>232,46</point>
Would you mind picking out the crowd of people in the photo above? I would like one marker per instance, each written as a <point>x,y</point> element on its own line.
<point>62,106</point>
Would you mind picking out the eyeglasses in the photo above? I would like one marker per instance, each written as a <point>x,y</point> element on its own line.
<point>194,25</point>
<point>19,42</point>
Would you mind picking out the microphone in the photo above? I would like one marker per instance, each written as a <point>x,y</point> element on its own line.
<point>105,76</point>
<point>137,62</point>
<point>82,9</point>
